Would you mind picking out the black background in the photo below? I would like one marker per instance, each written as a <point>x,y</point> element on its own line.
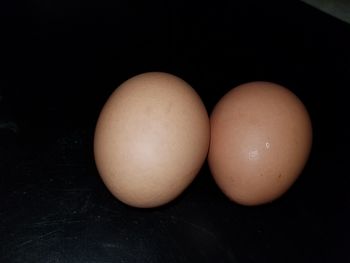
<point>60,60</point>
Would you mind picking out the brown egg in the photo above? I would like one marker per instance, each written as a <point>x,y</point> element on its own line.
<point>151,139</point>
<point>260,141</point>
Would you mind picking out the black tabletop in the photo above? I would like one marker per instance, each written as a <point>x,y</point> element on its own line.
<point>60,62</point>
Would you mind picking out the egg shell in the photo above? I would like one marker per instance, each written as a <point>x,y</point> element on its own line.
<point>260,141</point>
<point>151,139</point>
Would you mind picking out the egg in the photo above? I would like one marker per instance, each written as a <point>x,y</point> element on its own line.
<point>151,139</point>
<point>261,137</point>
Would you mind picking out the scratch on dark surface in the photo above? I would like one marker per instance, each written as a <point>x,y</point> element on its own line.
<point>43,236</point>
<point>113,212</point>
<point>194,225</point>
<point>9,125</point>
<point>227,250</point>
<point>56,222</point>
<point>110,245</point>
<point>65,165</point>
<point>85,207</point>
<point>77,190</point>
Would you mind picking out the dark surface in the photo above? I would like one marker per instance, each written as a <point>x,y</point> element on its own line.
<point>62,59</point>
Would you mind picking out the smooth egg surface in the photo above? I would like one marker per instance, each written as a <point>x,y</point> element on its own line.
<point>151,139</point>
<point>261,138</point>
